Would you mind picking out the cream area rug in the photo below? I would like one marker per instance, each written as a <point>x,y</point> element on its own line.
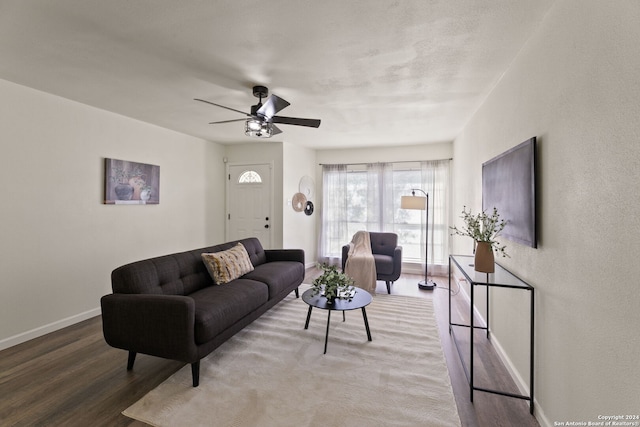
<point>274,373</point>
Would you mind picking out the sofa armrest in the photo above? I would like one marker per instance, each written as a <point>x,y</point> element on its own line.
<point>345,254</point>
<point>285,255</point>
<point>158,325</point>
<point>397,259</point>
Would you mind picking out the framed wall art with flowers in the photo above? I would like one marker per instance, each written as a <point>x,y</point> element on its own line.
<point>131,183</point>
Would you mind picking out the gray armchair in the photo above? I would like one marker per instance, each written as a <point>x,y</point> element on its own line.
<point>387,255</point>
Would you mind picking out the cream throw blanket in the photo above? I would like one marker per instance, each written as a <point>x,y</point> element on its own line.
<point>360,264</point>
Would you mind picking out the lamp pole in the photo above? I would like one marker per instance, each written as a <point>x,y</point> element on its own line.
<point>426,284</point>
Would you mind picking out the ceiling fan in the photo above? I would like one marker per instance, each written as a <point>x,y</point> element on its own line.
<point>261,121</point>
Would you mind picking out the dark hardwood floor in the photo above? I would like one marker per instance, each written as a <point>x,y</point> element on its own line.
<point>73,378</point>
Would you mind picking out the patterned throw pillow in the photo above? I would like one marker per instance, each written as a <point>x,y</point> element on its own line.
<point>225,266</point>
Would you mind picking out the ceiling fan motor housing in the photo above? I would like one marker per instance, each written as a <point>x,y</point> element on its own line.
<point>260,92</point>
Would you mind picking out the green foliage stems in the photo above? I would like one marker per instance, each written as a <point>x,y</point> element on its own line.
<point>482,228</point>
<point>335,285</point>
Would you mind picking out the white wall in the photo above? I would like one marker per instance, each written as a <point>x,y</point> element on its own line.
<point>300,230</point>
<point>575,86</point>
<point>59,242</point>
<point>398,153</point>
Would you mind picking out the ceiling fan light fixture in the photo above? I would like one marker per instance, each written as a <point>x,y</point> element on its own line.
<point>254,125</point>
<point>263,121</point>
<point>257,128</point>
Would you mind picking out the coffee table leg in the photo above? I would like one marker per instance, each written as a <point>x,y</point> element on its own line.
<point>306,325</point>
<point>326,337</point>
<point>366,323</point>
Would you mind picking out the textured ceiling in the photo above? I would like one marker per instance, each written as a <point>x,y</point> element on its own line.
<point>376,72</point>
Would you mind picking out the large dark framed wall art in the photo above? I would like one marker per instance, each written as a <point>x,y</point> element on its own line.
<point>131,183</point>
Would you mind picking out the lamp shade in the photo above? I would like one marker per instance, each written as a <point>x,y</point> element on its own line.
<point>413,202</point>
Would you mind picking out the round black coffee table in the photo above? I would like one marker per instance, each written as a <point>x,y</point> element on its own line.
<point>360,300</point>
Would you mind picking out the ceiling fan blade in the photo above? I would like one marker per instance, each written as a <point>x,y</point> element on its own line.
<point>222,106</point>
<point>271,106</point>
<point>227,121</point>
<point>312,123</point>
<point>275,130</point>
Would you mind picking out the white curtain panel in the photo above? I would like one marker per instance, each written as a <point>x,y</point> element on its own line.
<point>436,182</point>
<point>333,233</point>
<point>367,197</point>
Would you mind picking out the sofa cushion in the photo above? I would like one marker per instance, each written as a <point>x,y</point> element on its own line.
<point>384,264</point>
<point>219,307</point>
<point>225,266</point>
<point>176,274</point>
<point>383,243</point>
<point>255,251</point>
<point>278,275</point>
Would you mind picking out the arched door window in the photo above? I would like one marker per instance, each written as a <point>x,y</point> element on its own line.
<point>249,177</point>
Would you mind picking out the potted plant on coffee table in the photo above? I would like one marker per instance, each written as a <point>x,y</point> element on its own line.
<point>483,229</point>
<point>332,284</point>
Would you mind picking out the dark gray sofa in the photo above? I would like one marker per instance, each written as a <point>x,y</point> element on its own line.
<point>169,306</point>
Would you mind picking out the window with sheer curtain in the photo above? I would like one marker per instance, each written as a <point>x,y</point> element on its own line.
<point>367,197</point>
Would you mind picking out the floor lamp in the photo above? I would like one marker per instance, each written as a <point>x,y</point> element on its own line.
<point>420,203</point>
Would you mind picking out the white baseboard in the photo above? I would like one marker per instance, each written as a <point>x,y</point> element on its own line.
<point>465,295</point>
<point>522,385</point>
<point>46,329</point>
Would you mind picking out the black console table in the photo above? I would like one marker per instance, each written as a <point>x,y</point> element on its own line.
<point>501,278</point>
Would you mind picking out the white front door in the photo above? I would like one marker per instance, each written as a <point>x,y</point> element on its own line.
<point>249,194</point>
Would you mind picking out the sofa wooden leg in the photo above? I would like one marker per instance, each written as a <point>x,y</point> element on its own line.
<point>131,361</point>
<point>388,286</point>
<point>297,293</point>
<point>195,373</point>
